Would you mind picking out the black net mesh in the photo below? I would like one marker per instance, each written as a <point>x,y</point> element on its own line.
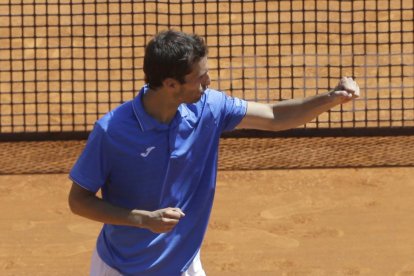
<point>64,63</point>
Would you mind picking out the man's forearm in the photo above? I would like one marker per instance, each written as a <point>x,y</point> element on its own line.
<point>86,204</point>
<point>295,112</point>
<point>94,208</point>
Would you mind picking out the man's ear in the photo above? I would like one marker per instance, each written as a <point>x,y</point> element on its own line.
<point>170,83</point>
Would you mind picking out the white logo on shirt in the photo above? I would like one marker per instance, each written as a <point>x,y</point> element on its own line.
<point>147,151</point>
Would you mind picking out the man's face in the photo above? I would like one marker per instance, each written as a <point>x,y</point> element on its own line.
<point>195,83</point>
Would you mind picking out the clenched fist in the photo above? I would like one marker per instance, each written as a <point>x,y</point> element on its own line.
<point>346,90</point>
<point>161,221</point>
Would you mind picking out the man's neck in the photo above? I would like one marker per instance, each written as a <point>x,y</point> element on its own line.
<point>159,105</point>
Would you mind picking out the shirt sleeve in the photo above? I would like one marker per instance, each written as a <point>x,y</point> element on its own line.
<point>227,109</point>
<point>91,170</point>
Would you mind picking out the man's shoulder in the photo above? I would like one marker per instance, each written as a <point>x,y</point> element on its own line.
<point>116,117</point>
<point>213,98</point>
<point>212,95</point>
<point>218,97</point>
<point>217,100</point>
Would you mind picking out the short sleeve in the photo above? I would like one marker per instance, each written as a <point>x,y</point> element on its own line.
<point>228,110</point>
<point>91,170</point>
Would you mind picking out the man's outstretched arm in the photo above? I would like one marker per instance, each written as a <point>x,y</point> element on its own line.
<point>295,112</point>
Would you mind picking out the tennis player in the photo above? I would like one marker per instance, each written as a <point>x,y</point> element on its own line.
<point>154,159</point>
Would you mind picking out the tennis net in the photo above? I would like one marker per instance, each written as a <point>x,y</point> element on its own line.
<point>64,63</point>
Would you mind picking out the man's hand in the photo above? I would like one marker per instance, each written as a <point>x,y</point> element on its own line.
<point>163,220</point>
<point>346,90</point>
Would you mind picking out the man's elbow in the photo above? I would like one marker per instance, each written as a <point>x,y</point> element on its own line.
<point>73,203</point>
<point>78,198</point>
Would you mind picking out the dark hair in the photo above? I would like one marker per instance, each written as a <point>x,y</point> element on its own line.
<point>172,54</point>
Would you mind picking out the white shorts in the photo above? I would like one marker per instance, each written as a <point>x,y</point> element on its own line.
<point>100,268</point>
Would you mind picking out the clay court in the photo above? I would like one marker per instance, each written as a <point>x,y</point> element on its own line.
<point>271,222</point>
<point>282,216</point>
<point>296,204</point>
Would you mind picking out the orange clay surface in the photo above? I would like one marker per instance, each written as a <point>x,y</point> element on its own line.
<point>281,222</point>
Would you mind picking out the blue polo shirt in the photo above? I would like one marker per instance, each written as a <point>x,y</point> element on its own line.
<point>139,163</point>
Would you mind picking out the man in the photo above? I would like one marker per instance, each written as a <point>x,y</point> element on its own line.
<point>155,159</point>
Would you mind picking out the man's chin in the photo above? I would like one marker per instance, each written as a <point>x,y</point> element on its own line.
<point>199,97</point>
